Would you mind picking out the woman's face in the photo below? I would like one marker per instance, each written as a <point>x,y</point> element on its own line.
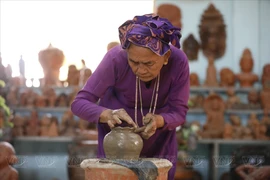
<point>145,63</point>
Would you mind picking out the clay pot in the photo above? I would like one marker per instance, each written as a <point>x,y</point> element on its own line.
<point>122,143</point>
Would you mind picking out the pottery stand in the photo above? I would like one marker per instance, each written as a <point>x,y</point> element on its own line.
<point>95,170</point>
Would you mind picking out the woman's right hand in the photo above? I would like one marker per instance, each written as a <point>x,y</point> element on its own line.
<point>113,117</point>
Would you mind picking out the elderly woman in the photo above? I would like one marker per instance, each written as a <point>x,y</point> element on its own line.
<point>143,82</point>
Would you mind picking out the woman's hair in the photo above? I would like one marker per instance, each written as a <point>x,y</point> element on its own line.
<point>150,31</point>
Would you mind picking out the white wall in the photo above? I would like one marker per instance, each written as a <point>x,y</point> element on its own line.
<point>247,26</point>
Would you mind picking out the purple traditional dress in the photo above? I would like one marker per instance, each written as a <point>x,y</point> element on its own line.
<point>114,84</point>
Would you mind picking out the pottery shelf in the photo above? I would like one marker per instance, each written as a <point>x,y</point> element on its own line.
<point>220,89</point>
<point>45,109</point>
<point>229,111</point>
<point>190,111</point>
<point>44,139</point>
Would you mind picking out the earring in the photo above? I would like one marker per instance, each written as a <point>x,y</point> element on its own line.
<point>165,63</point>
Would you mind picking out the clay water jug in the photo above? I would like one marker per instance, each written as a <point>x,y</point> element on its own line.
<point>122,143</point>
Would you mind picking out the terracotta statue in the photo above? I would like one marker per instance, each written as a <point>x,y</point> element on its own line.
<point>212,33</point>
<point>197,101</point>
<point>254,125</point>
<point>194,79</point>
<point>40,101</point>
<point>237,129</point>
<point>254,99</point>
<point>45,125</point>
<point>32,128</point>
<point>246,77</point>
<point>228,131</point>
<point>18,129</point>
<point>266,118</point>
<point>85,73</point>
<point>214,108</point>
<point>265,93</point>
<point>73,76</point>
<point>68,124</point>
<point>211,74</point>
<point>53,127</point>
<point>51,60</point>
<point>62,100</point>
<point>233,100</point>
<point>12,96</point>
<point>227,77</point>
<point>50,95</point>
<point>170,12</point>
<point>112,44</point>
<point>7,158</point>
<point>191,47</point>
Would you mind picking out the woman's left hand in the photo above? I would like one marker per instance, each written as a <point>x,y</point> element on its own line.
<point>150,126</point>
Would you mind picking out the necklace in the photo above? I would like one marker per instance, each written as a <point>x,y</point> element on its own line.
<point>153,99</point>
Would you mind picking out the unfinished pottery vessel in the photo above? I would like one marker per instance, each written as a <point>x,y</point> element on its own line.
<point>122,143</point>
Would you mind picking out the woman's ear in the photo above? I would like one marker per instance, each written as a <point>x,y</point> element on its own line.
<point>166,57</point>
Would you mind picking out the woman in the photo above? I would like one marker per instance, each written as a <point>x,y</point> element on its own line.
<point>145,83</point>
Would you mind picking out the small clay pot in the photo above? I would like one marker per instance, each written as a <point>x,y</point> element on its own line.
<point>122,143</point>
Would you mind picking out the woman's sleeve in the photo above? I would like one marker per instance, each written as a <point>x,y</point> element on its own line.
<point>85,103</point>
<point>178,99</point>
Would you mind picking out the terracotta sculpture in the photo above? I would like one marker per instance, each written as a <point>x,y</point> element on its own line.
<point>191,47</point>
<point>45,125</point>
<point>85,73</point>
<point>62,100</point>
<point>254,125</point>
<point>211,73</point>
<point>197,101</point>
<point>68,124</point>
<point>266,118</point>
<point>50,95</point>
<point>237,130</point>
<point>265,93</point>
<point>246,77</point>
<point>212,33</point>
<point>214,108</point>
<point>40,101</point>
<point>227,77</point>
<point>51,60</point>
<point>12,98</point>
<point>32,128</point>
<point>228,131</point>
<point>194,79</point>
<point>53,127</point>
<point>73,76</point>
<point>254,99</point>
<point>7,158</point>
<point>233,100</point>
<point>170,12</point>
<point>18,129</point>
<point>112,44</point>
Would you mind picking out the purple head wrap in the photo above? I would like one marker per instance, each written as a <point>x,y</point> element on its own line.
<point>150,31</point>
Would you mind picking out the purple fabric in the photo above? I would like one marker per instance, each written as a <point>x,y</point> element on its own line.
<point>114,83</point>
<point>150,31</point>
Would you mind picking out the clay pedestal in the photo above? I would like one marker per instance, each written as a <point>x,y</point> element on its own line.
<point>95,170</point>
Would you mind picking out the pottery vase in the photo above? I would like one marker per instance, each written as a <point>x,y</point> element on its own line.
<point>122,143</point>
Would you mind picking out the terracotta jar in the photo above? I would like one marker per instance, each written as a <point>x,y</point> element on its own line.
<point>122,143</point>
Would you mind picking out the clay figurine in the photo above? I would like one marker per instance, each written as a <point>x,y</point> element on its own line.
<point>211,73</point>
<point>194,79</point>
<point>191,47</point>
<point>212,33</point>
<point>265,93</point>
<point>170,12</point>
<point>227,77</point>
<point>247,78</point>
<point>7,158</point>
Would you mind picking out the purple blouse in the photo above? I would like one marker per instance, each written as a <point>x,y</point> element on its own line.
<point>113,82</point>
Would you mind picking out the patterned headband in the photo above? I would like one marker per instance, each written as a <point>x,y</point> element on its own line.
<point>150,31</point>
